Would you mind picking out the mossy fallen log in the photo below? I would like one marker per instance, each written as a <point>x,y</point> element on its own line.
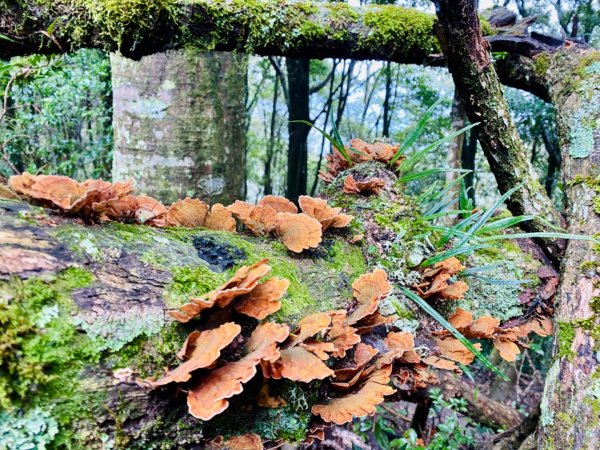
<point>82,315</point>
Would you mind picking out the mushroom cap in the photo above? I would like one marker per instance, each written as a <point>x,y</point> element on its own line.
<point>343,409</point>
<point>187,213</point>
<point>202,350</point>
<point>279,204</point>
<point>220,218</point>
<point>264,299</point>
<point>299,232</point>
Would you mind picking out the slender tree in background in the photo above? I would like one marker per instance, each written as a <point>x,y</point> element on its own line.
<point>298,76</point>
<point>179,124</point>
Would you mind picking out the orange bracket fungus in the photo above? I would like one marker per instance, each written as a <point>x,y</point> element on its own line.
<point>436,281</point>
<point>368,186</point>
<point>209,396</point>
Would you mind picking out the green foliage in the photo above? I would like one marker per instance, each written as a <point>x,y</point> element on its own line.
<point>59,118</point>
<point>453,433</point>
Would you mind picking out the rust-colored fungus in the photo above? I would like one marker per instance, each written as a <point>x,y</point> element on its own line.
<point>209,396</point>
<point>368,186</point>
<point>219,218</point>
<point>453,349</point>
<point>150,210</point>
<point>201,349</point>
<point>187,213</point>
<point>299,231</point>
<point>436,281</point>
<point>341,335</point>
<point>67,194</point>
<point>244,442</point>
<point>369,289</point>
<point>279,204</point>
<point>361,403</point>
<point>327,216</point>
<point>378,151</point>
<point>297,364</point>
<point>264,299</point>
<point>259,219</point>
<point>504,339</point>
<point>244,281</point>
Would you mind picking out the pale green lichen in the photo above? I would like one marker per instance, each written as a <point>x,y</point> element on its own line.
<point>117,329</point>
<point>32,430</point>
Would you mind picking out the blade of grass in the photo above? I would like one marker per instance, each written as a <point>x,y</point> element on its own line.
<point>338,145</point>
<point>488,213</point>
<point>453,252</point>
<point>410,162</point>
<point>411,138</point>
<point>502,224</point>
<point>448,326</point>
<point>574,237</point>
<point>449,212</point>
<point>426,173</point>
<point>459,226</point>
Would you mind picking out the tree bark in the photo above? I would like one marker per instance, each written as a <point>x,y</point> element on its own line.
<point>571,402</point>
<point>295,29</point>
<point>298,75</point>
<point>178,121</point>
<point>470,64</point>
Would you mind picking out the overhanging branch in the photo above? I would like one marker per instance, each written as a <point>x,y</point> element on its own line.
<point>286,28</point>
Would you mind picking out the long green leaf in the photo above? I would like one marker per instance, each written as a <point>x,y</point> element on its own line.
<point>448,326</point>
<point>410,162</point>
<point>488,213</point>
<point>449,212</point>
<point>338,145</point>
<point>453,252</point>
<point>411,138</point>
<point>459,226</point>
<point>426,173</point>
<point>574,237</point>
<point>502,224</point>
<point>6,38</point>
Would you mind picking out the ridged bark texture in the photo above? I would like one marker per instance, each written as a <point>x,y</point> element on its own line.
<point>178,120</point>
<point>570,412</point>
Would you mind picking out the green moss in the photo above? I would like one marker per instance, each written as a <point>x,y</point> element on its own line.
<point>341,14</point>
<point>542,63</point>
<point>347,259</point>
<point>566,336</point>
<point>149,355</point>
<point>191,282</point>
<point>135,17</point>
<point>42,353</point>
<point>400,29</point>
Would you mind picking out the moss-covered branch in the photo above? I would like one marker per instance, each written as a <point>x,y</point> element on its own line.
<point>136,28</point>
<point>264,27</point>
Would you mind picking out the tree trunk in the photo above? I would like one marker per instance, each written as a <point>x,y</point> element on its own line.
<point>472,70</point>
<point>571,402</point>
<point>178,120</point>
<point>298,75</point>
<point>467,161</point>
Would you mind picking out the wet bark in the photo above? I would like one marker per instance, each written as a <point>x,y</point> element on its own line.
<point>178,121</point>
<point>477,83</point>
<point>571,402</point>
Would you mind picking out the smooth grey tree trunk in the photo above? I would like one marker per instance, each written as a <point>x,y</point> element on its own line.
<point>178,120</point>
